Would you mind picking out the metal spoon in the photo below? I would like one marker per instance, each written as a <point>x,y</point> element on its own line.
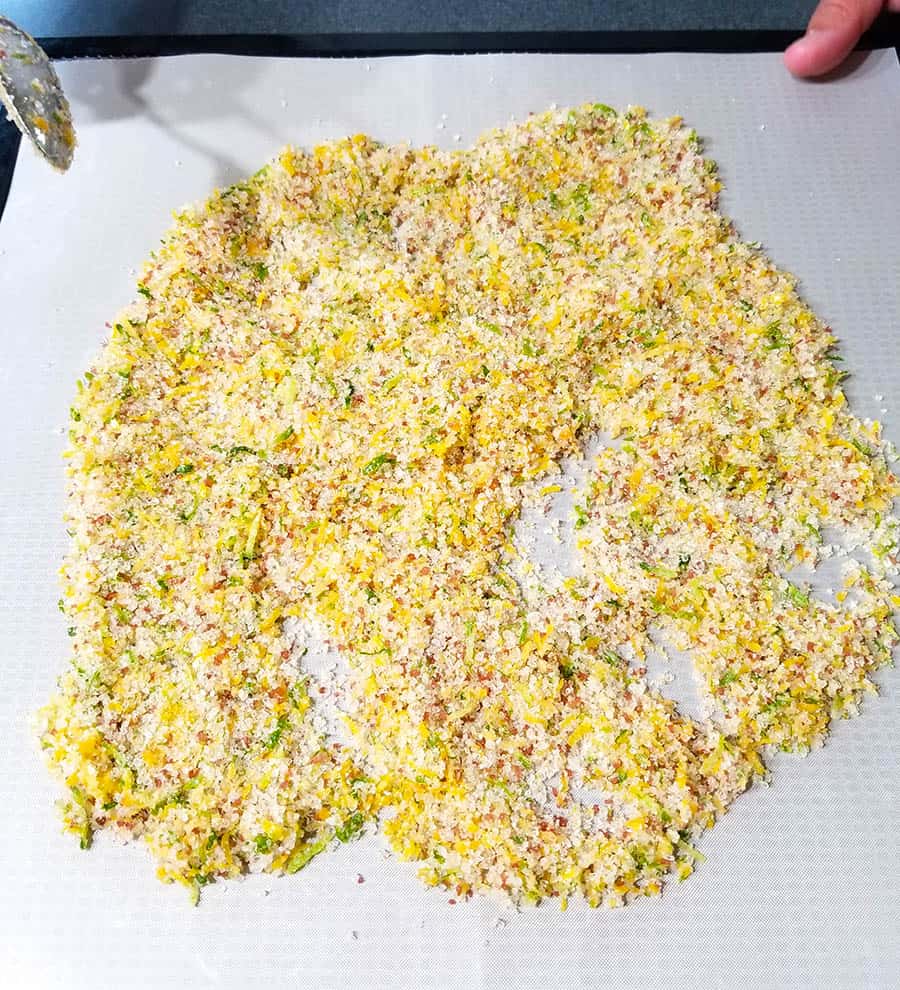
<point>31,91</point>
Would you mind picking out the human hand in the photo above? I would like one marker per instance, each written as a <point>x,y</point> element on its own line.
<point>834,28</point>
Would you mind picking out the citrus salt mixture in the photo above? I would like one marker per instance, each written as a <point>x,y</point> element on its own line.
<point>340,383</point>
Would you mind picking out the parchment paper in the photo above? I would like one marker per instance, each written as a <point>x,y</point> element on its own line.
<point>801,887</point>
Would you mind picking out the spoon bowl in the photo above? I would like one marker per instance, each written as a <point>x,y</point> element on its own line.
<point>31,91</point>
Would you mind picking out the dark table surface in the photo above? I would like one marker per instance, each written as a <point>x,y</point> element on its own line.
<point>67,18</point>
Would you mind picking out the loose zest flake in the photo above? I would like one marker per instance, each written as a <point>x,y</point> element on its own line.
<point>343,376</point>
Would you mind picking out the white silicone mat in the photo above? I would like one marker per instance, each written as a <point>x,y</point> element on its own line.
<point>801,888</point>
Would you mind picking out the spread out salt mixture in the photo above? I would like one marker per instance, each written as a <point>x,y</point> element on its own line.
<point>323,413</point>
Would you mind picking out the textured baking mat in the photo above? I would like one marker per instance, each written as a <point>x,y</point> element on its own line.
<point>798,889</point>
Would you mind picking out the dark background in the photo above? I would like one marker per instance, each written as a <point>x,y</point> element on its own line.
<point>56,18</point>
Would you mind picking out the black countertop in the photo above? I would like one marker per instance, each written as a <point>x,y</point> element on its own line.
<point>71,18</point>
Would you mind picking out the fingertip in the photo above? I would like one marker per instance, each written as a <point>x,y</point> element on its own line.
<point>798,59</point>
<point>818,51</point>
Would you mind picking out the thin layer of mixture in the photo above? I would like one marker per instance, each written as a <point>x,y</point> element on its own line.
<point>341,380</point>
